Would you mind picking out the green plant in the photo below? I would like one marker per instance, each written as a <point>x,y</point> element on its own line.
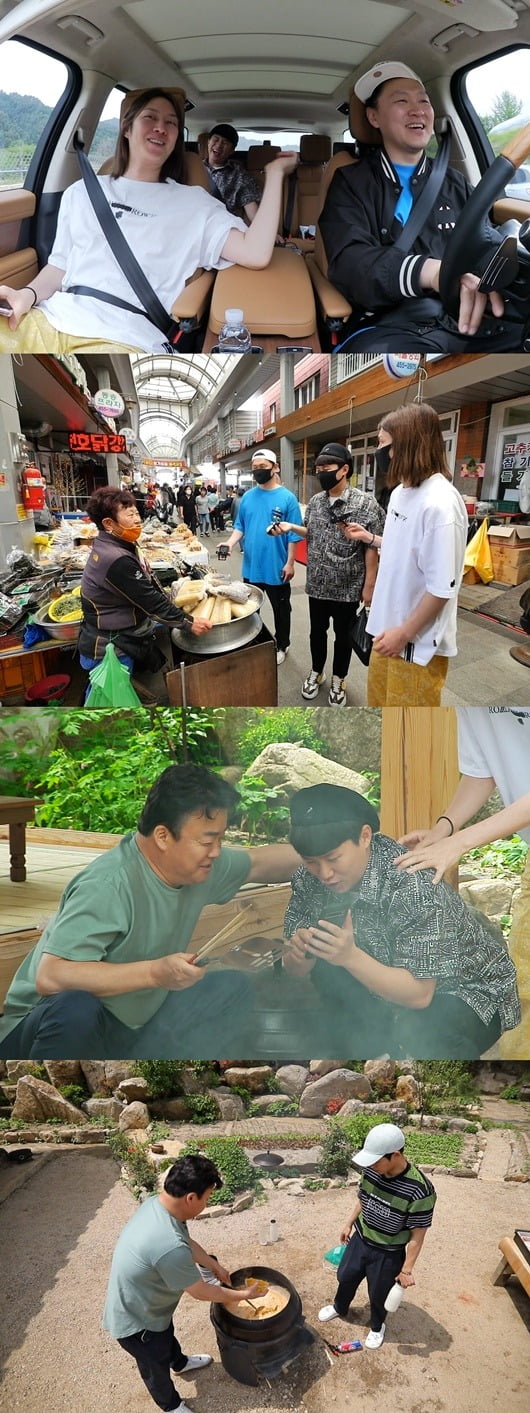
<point>267,728</point>
<point>161,1076</point>
<point>357,1126</point>
<point>314,1184</point>
<point>38,1072</point>
<point>7,1125</point>
<point>443,1149</point>
<point>244,1095</point>
<point>141,1171</point>
<point>513,1091</point>
<point>231,1160</point>
<point>336,1151</point>
<point>503,857</point>
<point>158,1131</point>
<point>281,1107</point>
<point>74,1093</point>
<point>203,1108</point>
<point>254,812</point>
<point>444,1084</point>
<point>273,1085</point>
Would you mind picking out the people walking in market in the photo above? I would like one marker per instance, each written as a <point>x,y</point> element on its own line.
<point>494,753</point>
<point>385,1233</point>
<point>399,970</point>
<point>341,573</point>
<point>113,973</point>
<point>156,1262</point>
<point>413,616</point>
<point>268,560</point>
<point>188,506</point>
<point>201,505</point>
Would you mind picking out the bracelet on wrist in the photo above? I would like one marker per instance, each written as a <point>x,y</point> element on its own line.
<point>34,293</point>
<point>449,821</point>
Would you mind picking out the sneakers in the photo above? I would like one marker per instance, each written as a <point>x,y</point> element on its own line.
<point>312,684</point>
<point>183,1408</point>
<point>337,692</point>
<point>281,655</point>
<point>195,1361</point>
<point>375,1338</point>
<point>328,1312</point>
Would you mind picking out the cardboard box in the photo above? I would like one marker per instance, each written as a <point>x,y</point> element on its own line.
<point>245,677</point>
<point>510,553</point>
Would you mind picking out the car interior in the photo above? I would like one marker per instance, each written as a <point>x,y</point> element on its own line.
<point>276,76</point>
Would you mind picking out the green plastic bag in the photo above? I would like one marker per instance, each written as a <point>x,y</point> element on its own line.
<point>334,1257</point>
<point>110,684</point>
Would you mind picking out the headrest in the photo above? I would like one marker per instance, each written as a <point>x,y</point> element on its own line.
<point>176,93</point>
<point>258,157</point>
<point>202,144</point>
<point>360,128</point>
<point>315,148</point>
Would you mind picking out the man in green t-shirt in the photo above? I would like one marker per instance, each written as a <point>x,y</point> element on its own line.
<point>155,1260</point>
<point>111,975</point>
<point>386,1230</point>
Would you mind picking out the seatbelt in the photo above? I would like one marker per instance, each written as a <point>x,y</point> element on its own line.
<point>152,306</point>
<point>291,193</point>
<point>418,215</point>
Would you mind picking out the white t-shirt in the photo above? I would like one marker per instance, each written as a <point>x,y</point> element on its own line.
<point>422,551</point>
<point>495,741</point>
<point>172,230</point>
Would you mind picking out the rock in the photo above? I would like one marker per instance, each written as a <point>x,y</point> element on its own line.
<point>408,1090</point>
<point>94,1073</point>
<point>131,1089</point>
<point>116,1071</point>
<point>352,1106</point>
<point>296,1189</point>
<point>263,1102</point>
<point>106,1074</point>
<point>231,1107</point>
<point>169,1109</point>
<point>222,1210</point>
<point>292,1079</point>
<point>89,1135</point>
<point>388,1109</point>
<point>345,1083</point>
<point>381,1074</point>
<point>458,1125</point>
<point>492,896</point>
<point>61,1072</point>
<point>104,1108</point>
<point>191,1082</point>
<point>490,1079</point>
<point>244,1200</point>
<point>38,1100</point>
<point>9,1091</point>
<point>253,1079</point>
<point>524,1093</point>
<point>291,767</point>
<point>322,1067</point>
<point>17,1068</point>
<point>134,1115</point>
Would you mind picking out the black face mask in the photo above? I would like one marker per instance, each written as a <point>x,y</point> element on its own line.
<point>382,459</point>
<point>328,479</point>
<point>262,476</point>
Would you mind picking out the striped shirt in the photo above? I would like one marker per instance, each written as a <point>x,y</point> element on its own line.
<point>404,920</point>
<point>392,1207</point>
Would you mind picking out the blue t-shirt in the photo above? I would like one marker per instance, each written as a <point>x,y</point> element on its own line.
<point>405,198</point>
<point>265,555</point>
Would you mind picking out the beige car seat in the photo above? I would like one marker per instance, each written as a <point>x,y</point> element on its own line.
<point>301,203</point>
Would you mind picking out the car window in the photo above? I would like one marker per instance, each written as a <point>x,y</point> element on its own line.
<point>104,139</point>
<point>498,94</point>
<point>288,141</point>
<point>24,72</point>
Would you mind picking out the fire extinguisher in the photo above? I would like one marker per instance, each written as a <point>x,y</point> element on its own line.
<point>33,487</point>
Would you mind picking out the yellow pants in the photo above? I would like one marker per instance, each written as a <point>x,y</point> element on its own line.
<point>515,1044</point>
<point>36,335</point>
<point>394,682</point>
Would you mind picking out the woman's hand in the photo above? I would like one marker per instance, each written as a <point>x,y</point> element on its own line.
<point>200,626</point>
<point>353,531</point>
<point>284,163</point>
<point>296,960</point>
<point>333,944</point>
<point>20,300</point>
<point>441,856</point>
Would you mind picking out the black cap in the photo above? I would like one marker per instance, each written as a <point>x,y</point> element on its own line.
<point>323,816</point>
<point>334,451</point>
<point>225,130</point>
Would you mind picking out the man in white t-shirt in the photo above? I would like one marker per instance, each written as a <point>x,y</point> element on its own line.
<point>494,752</point>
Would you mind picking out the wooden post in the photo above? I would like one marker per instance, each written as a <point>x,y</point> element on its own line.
<point>419,769</point>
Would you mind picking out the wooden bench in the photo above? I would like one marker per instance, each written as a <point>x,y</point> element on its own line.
<point>17,813</point>
<point>513,1263</point>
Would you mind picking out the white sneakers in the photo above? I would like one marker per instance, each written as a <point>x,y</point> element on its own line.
<point>195,1361</point>
<point>374,1338</point>
<point>328,1312</point>
<point>281,655</point>
<point>337,692</point>
<point>312,684</point>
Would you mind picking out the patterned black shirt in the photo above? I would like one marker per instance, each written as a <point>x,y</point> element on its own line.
<point>336,566</point>
<point>404,920</point>
<point>235,187</point>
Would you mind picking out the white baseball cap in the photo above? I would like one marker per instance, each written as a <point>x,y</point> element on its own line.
<point>265,454</point>
<point>383,1139</point>
<point>380,73</point>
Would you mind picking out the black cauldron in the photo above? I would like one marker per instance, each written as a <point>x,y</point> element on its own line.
<point>253,1348</point>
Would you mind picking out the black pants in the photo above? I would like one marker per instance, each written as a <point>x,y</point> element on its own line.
<point>213,1018</point>
<point>279,596</point>
<point>448,1027</point>
<point>156,1353</point>
<point>342,615</point>
<point>380,1268</point>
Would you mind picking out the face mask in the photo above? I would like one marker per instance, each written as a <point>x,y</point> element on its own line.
<point>262,475</point>
<point>129,533</point>
<point>382,459</point>
<point>328,479</point>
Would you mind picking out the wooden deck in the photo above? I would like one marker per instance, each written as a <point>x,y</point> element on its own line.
<point>49,868</point>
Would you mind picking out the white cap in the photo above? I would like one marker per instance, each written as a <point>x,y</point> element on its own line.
<point>233,316</point>
<point>380,73</point>
<point>383,1139</point>
<point>265,454</point>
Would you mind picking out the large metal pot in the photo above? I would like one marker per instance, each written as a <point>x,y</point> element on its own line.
<point>254,1349</point>
<point>223,637</point>
<point>64,632</point>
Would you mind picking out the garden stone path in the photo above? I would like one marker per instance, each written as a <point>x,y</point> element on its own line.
<point>496,1158</point>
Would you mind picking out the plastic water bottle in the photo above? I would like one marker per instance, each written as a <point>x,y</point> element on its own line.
<point>394,1298</point>
<point>273,1230</point>
<point>234,336</point>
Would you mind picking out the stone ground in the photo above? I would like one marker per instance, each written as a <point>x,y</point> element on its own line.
<point>457,1345</point>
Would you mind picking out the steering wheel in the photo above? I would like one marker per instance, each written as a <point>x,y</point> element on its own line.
<point>470,240</point>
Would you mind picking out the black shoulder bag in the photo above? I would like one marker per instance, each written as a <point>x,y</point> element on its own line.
<point>151,305</point>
